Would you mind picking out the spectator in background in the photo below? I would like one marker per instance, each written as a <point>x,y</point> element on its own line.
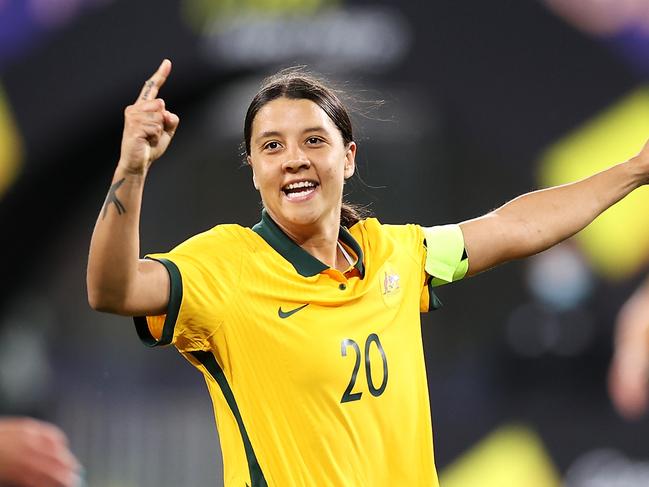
<point>629,374</point>
<point>35,454</point>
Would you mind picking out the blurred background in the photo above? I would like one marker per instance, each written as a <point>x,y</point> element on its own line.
<point>483,101</point>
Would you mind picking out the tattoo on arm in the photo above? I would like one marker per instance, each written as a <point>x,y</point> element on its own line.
<point>112,198</point>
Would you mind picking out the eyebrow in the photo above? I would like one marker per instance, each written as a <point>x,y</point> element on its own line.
<point>275,133</point>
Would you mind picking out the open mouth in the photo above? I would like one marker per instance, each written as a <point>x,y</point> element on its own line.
<point>300,189</point>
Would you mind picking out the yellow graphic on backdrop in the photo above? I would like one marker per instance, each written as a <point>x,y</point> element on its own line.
<point>512,456</point>
<point>11,149</point>
<point>199,13</point>
<point>617,243</point>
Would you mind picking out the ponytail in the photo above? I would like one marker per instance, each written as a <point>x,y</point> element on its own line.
<point>351,213</point>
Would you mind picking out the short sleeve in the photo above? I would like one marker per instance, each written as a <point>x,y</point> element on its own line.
<point>201,278</point>
<point>159,330</point>
<point>446,258</point>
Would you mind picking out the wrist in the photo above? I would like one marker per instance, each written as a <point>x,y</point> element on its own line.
<point>638,167</point>
<point>124,170</point>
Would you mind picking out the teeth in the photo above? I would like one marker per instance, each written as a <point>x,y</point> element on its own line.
<point>299,194</point>
<point>301,184</point>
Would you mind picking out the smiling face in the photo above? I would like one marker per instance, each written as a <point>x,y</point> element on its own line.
<point>299,163</point>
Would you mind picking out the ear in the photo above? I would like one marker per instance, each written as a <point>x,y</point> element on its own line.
<point>350,160</point>
<point>254,179</point>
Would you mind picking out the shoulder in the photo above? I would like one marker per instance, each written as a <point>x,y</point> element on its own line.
<point>375,232</point>
<point>222,246</point>
<point>382,241</point>
<point>224,238</point>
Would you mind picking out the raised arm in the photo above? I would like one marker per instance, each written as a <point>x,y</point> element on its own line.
<point>536,221</point>
<point>118,281</point>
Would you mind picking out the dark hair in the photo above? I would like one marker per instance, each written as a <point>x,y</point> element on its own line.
<point>295,83</point>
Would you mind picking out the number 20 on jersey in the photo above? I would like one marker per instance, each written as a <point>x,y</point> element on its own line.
<point>372,340</point>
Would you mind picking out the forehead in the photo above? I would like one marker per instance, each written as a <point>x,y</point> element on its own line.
<point>286,115</point>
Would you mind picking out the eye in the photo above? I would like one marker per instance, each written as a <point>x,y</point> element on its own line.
<point>314,140</point>
<point>272,145</point>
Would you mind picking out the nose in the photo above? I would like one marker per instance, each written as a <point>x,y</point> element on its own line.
<point>295,161</point>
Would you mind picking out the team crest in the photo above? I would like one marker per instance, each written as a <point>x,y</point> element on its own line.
<point>390,282</point>
<point>390,285</point>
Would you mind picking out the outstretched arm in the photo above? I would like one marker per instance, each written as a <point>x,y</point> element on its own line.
<point>118,281</point>
<point>629,374</point>
<point>536,221</point>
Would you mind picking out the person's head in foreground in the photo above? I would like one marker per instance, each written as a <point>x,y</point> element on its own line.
<point>299,143</point>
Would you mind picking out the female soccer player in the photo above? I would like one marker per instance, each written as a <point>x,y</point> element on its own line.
<point>306,326</point>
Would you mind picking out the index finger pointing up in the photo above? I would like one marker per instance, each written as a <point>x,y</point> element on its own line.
<point>153,84</point>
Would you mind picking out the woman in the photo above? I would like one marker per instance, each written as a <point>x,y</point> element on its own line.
<point>307,331</point>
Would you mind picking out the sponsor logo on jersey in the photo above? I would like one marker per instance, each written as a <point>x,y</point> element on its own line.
<point>285,314</point>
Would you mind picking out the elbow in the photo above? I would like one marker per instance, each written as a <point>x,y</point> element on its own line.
<point>104,301</point>
<point>97,302</point>
<point>96,298</point>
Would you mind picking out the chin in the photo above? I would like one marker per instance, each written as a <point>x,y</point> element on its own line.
<point>301,217</point>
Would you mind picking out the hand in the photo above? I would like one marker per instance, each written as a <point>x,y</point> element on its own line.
<point>35,454</point>
<point>148,125</point>
<point>629,373</point>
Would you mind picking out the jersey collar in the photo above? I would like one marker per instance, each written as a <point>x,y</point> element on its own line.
<point>305,264</point>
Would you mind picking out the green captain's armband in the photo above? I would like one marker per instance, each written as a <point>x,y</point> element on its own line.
<point>446,258</point>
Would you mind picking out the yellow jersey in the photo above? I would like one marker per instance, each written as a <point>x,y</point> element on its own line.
<point>316,376</point>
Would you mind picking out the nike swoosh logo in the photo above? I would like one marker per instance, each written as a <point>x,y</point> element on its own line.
<point>285,314</point>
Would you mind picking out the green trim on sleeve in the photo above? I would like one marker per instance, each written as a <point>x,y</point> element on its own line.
<point>433,301</point>
<point>209,362</point>
<point>446,258</point>
<point>175,298</point>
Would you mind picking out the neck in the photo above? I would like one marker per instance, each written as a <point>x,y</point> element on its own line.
<point>321,241</point>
